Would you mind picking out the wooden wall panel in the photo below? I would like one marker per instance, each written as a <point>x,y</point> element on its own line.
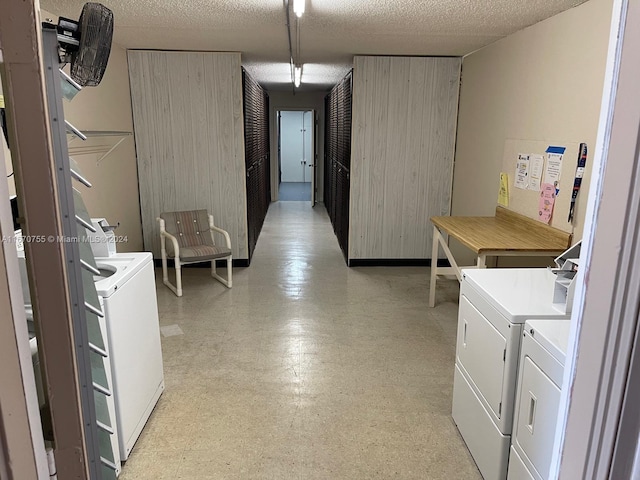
<point>404,124</point>
<point>187,109</point>
<point>410,226</point>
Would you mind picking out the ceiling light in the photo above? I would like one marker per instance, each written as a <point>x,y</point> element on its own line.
<point>297,75</point>
<point>298,7</point>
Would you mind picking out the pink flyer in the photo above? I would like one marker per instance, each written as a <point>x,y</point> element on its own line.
<point>546,202</point>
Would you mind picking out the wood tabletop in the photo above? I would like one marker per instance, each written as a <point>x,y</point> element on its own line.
<point>506,231</point>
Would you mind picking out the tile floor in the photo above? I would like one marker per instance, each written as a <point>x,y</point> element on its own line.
<point>306,369</point>
<point>294,192</point>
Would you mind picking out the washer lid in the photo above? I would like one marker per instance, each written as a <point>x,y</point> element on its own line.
<point>517,293</point>
<point>118,269</point>
<point>553,335</point>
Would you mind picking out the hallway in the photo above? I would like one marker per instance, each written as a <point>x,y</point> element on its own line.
<point>306,369</point>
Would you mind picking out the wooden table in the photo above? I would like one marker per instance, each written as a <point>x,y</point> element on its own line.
<point>505,234</point>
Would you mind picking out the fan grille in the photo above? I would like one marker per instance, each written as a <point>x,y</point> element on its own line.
<point>96,31</point>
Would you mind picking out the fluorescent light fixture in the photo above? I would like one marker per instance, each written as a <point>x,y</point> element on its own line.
<point>297,76</point>
<point>298,7</point>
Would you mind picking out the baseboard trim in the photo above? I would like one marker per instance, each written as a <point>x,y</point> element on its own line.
<point>237,262</point>
<point>354,262</point>
<point>396,262</point>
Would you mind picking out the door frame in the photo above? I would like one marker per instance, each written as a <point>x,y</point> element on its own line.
<point>314,150</point>
<point>34,174</point>
<point>598,428</point>
<point>279,146</point>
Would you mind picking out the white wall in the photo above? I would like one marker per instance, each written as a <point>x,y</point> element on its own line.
<point>299,101</point>
<point>114,194</point>
<point>291,146</point>
<point>543,83</point>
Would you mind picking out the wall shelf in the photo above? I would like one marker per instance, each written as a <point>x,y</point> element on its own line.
<point>98,142</point>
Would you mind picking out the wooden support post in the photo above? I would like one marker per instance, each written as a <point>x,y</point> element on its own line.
<point>32,154</point>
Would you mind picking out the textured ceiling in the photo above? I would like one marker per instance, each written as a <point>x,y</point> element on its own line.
<point>330,31</point>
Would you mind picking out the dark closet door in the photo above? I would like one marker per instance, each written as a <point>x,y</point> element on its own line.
<point>338,159</point>
<point>256,134</point>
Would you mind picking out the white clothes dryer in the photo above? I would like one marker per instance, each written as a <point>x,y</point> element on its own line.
<point>494,304</point>
<point>542,360</point>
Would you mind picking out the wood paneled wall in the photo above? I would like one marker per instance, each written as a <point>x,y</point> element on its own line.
<point>188,122</point>
<point>403,140</point>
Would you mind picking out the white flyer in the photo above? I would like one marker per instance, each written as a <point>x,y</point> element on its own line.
<point>536,166</point>
<point>553,168</point>
<point>522,172</point>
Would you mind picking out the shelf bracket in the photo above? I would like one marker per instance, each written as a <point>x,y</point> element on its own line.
<point>117,144</point>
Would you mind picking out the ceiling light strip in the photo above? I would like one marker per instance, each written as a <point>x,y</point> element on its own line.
<point>297,76</point>
<point>298,7</point>
<point>291,61</point>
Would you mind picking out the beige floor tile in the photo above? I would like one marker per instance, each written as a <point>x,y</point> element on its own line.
<point>156,465</point>
<point>306,369</point>
<point>220,460</point>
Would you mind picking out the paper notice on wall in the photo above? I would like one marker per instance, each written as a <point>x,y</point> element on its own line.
<point>536,166</point>
<point>522,172</point>
<point>503,194</point>
<point>553,168</point>
<point>546,202</point>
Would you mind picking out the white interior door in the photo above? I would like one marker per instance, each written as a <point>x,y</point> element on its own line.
<point>292,147</point>
<point>298,150</point>
<point>311,152</point>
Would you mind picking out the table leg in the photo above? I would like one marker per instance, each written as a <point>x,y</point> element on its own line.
<point>482,261</point>
<point>434,266</point>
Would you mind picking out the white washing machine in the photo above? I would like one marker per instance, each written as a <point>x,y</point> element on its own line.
<point>542,359</point>
<point>494,304</point>
<point>128,295</point>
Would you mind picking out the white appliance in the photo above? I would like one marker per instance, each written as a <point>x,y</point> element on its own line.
<point>494,304</point>
<point>542,358</point>
<point>103,240</point>
<point>566,275</point>
<point>128,295</point>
